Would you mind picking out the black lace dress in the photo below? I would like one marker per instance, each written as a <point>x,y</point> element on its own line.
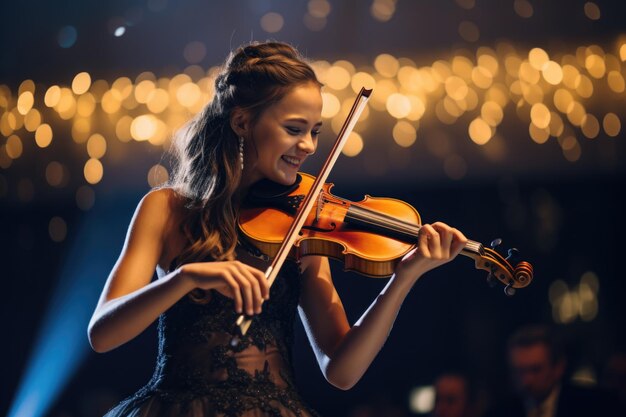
<point>198,372</point>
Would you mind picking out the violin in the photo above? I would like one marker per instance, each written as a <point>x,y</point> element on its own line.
<point>370,236</point>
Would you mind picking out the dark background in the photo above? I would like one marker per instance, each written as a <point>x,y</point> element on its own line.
<point>566,218</point>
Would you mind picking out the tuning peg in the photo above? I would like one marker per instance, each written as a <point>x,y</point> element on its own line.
<point>509,290</point>
<point>495,243</point>
<point>512,253</point>
<point>491,280</point>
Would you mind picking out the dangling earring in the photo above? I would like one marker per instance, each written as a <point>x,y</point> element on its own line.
<point>241,151</point>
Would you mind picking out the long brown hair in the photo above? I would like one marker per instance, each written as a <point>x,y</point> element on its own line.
<point>207,170</point>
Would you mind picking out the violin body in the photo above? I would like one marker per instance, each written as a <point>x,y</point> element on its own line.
<point>333,229</point>
<point>370,236</point>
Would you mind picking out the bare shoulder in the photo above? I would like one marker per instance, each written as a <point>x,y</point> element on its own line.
<point>162,206</point>
<point>164,198</point>
<point>165,209</point>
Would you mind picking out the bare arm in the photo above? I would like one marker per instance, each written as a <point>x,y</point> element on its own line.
<point>130,302</point>
<point>345,353</point>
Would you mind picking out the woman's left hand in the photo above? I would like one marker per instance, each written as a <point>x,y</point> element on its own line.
<point>438,244</point>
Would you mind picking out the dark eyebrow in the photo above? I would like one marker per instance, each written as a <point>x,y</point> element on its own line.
<point>303,121</point>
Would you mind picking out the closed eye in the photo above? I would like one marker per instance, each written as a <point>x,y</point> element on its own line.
<point>293,130</point>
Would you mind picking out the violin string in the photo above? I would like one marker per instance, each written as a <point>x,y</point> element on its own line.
<point>384,221</point>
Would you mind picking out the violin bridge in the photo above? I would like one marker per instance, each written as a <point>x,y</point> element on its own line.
<point>320,205</point>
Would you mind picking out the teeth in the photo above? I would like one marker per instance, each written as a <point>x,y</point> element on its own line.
<point>293,161</point>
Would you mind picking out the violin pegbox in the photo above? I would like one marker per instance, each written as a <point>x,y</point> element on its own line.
<point>499,267</point>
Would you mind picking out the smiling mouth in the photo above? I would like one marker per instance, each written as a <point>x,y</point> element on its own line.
<point>295,162</point>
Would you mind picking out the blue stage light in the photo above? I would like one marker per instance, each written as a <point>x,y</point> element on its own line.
<point>62,344</point>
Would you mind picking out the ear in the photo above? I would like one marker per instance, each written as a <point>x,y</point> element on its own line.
<point>240,122</point>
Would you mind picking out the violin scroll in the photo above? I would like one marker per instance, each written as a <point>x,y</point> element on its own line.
<point>499,267</point>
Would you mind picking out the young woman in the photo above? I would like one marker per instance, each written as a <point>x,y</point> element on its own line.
<point>263,123</point>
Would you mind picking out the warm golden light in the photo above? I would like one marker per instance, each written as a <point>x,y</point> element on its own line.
<point>32,120</point>
<point>143,90</point>
<point>480,131</point>
<point>523,8</point>
<point>272,22</point>
<point>584,86</point>
<point>491,113</point>
<point>354,145</point>
<point>462,67</point>
<point>538,134</point>
<point>592,11</point>
<point>96,146</point>
<point>552,72</point>
<point>386,65</point>
<point>93,171</point>
<point>188,94</point>
<point>481,77</point>
<point>537,58</point>
<point>157,175</point>
<point>616,81</point>
<point>418,107</point>
<point>590,126</point>
<point>398,105</point>
<point>556,127</point>
<point>122,128</point>
<point>383,10</point>
<point>456,88</point>
<point>121,88</point>
<point>595,65</point>
<point>157,100</point>
<point>81,128</point>
<point>528,73</point>
<point>362,79</point>
<point>562,99</point>
<point>143,127</point>
<point>14,147</point>
<point>25,102</point>
<point>52,97</point>
<point>570,76</point>
<point>81,83</point>
<point>85,105</point>
<point>404,133</point>
<point>576,113</point>
<point>319,8</point>
<point>337,77</point>
<point>487,59</point>
<point>571,148</point>
<point>67,104</point>
<point>540,115</point>
<point>498,93</point>
<point>110,103</point>
<point>611,124</point>
<point>43,135</point>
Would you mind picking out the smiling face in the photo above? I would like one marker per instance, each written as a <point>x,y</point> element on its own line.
<point>283,136</point>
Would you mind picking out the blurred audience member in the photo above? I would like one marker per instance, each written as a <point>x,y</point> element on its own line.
<point>537,365</point>
<point>614,375</point>
<point>454,396</point>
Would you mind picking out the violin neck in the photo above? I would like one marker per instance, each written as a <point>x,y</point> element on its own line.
<point>383,224</point>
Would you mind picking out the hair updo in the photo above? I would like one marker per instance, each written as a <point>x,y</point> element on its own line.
<point>207,170</point>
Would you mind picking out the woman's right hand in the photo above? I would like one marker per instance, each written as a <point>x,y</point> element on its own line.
<point>246,285</point>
